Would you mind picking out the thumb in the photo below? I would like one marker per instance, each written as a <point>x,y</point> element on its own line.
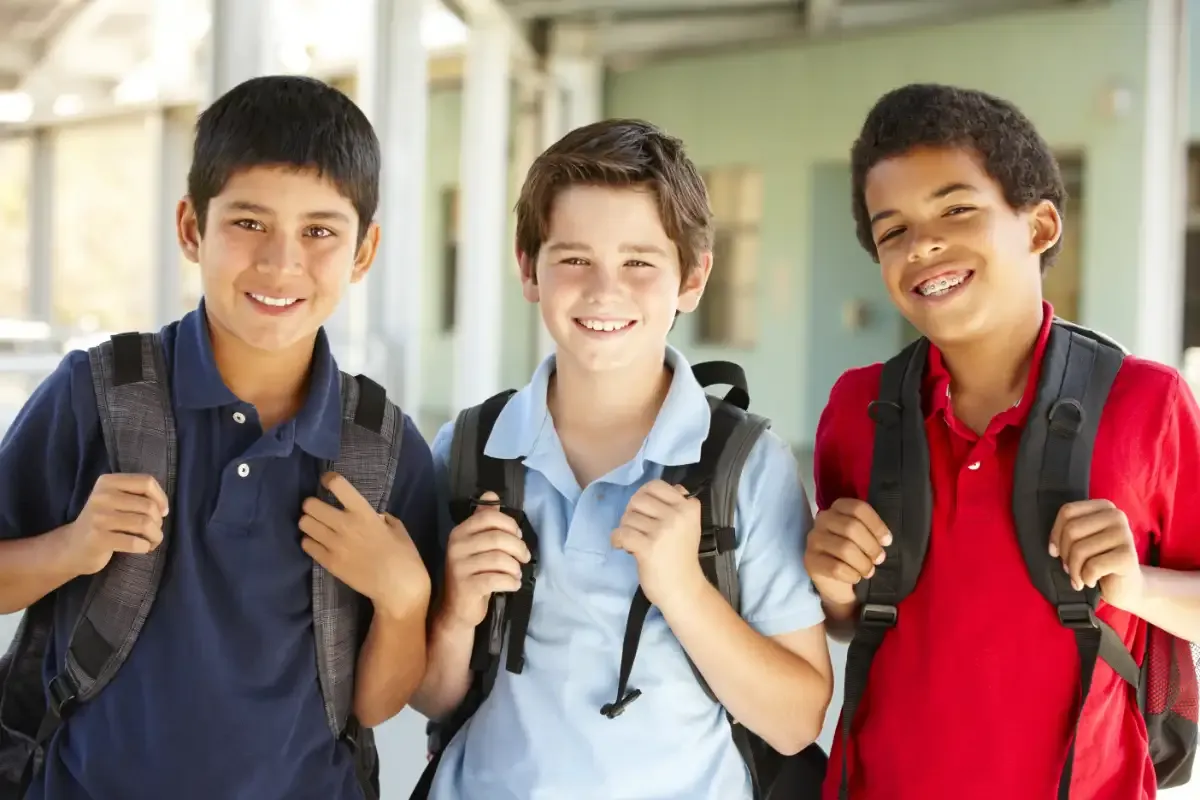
<point>487,499</point>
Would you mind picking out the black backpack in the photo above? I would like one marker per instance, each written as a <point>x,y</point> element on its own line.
<point>714,479</point>
<point>1053,467</point>
<point>133,399</point>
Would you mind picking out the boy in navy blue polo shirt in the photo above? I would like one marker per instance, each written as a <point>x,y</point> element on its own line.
<point>220,696</point>
<point>614,238</point>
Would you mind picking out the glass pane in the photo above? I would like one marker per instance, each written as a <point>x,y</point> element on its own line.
<point>15,163</point>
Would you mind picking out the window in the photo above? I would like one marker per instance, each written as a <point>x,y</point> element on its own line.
<point>726,316</point>
<point>15,161</point>
<point>449,255</point>
<point>1061,283</point>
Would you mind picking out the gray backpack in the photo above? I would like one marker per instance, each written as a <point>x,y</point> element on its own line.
<point>714,479</point>
<point>134,400</point>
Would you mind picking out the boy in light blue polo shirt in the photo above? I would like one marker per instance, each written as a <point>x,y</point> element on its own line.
<point>614,238</point>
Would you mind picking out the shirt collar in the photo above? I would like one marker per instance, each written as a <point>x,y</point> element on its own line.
<point>937,377</point>
<point>317,428</point>
<point>525,428</point>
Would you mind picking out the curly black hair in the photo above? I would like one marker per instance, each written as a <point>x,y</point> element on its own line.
<point>933,115</point>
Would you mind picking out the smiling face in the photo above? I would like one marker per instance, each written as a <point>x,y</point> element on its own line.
<point>608,277</point>
<point>957,259</point>
<point>278,250</point>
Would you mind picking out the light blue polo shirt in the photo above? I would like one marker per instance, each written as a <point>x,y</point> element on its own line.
<point>540,735</point>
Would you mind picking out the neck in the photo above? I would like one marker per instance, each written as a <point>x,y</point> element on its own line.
<point>995,366</point>
<point>626,399</point>
<point>274,382</point>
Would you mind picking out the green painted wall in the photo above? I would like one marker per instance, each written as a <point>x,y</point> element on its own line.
<point>794,109</point>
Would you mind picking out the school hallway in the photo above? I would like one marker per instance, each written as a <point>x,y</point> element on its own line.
<point>98,99</point>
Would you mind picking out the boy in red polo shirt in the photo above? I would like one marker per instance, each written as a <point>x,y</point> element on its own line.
<point>973,691</point>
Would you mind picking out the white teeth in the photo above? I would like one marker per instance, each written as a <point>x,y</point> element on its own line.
<point>274,301</point>
<point>940,285</point>
<point>602,325</point>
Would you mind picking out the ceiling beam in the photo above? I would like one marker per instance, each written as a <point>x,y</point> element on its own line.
<point>646,37</point>
<point>528,9</point>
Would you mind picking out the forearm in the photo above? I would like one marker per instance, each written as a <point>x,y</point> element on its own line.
<point>448,671</point>
<point>391,663</point>
<point>1170,600</point>
<point>775,693</point>
<point>32,568</point>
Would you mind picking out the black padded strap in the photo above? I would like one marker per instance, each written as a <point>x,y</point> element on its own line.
<point>900,493</point>
<point>1054,468</point>
<point>372,404</point>
<point>715,373</point>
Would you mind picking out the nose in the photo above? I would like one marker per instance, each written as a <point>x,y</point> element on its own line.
<point>603,282</point>
<point>279,252</point>
<point>925,244</point>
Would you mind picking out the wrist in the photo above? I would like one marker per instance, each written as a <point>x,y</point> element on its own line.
<point>402,605</point>
<point>449,625</point>
<point>61,553</point>
<point>686,593</point>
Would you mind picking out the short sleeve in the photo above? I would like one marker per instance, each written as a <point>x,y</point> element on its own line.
<point>773,519</point>
<point>1175,501</point>
<point>414,496</point>
<point>441,478</point>
<point>52,453</point>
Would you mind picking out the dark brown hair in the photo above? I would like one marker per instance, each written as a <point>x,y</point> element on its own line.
<point>625,153</point>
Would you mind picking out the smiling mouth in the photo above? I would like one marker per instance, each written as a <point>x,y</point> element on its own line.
<point>273,303</point>
<point>604,325</point>
<point>943,284</point>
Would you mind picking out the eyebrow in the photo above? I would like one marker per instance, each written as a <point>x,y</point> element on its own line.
<point>948,189</point>
<point>256,208</point>
<point>628,247</point>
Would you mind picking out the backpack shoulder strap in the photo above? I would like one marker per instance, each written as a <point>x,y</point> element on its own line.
<point>1054,468</point>
<point>901,494</point>
<point>371,437</point>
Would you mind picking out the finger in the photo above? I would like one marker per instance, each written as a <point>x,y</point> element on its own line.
<point>845,550</point>
<point>662,491</point>
<point>140,525</point>
<point>346,494</point>
<point>139,484</point>
<point>317,551</point>
<point>652,506</point>
<point>851,528</point>
<point>133,504</point>
<point>489,583</point>
<point>636,520</point>
<point>486,519</point>
<point>318,509</point>
<point>826,566</point>
<point>315,529</point>
<point>491,561</point>
<point>127,543</point>
<point>487,501</point>
<point>486,541</point>
<point>1086,549</point>
<point>865,514</point>
<point>1075,529</point>
<point>1070,512</point>
<point>630,540</point>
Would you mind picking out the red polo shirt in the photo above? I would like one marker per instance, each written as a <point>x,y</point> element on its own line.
<point>972,694</point>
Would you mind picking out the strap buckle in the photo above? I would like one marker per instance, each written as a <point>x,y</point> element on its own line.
<point>717,540</point>
<point>885,413</point>
<point>1077,616</point>
<point>614,710</point>
<point>1066,417</point>
<point>878,615</point>
<point>63,694</point>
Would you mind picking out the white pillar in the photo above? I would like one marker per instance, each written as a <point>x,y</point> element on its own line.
<point>483,224</point>
<point>573,96</point>
<point>172,137</point>
<point>393,89</point>
<point>41,227</point>
<point>242,43</point>
<point>1164,171</point>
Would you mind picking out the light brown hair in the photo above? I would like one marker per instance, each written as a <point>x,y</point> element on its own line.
<point>620,153</point>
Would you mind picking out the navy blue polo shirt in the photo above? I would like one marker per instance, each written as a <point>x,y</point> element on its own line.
<point>219,699</point>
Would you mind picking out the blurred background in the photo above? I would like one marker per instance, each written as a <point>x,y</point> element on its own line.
<point>98,99</point>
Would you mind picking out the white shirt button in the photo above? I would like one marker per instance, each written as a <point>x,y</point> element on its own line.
<point>239,417</point>
<point>243,470</point>
<point>974,466</point>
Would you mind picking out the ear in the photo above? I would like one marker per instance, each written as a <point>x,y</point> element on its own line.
<point>692,286</point>
<point>529,284</point>
<point>365,256</point>
<point>1045,227</point>
<point>187,230</point>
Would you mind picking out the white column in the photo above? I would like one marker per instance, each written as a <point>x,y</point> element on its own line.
<point>483,224</point>
<point>242,43</point>
<point>172,138</point>
<point>573,96</point>
<point>41,227</point>
<point>393,89</point>
<point>1164,170</point>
